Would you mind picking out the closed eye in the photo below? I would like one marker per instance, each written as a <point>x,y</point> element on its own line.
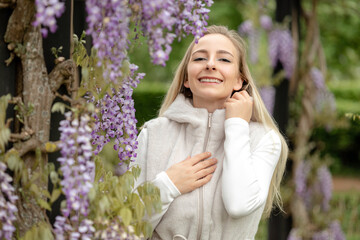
<point>224,60</point>
<point>199,59</point>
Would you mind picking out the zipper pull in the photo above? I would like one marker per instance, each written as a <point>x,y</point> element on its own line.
<point>209,120</point>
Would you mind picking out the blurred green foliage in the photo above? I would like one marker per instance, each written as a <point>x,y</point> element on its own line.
<point>340,36</point>
<point>346,206</point>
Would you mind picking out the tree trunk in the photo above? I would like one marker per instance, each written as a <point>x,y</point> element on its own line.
<point>38,90</point>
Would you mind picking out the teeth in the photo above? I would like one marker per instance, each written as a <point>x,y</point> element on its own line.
<point>210,80</point>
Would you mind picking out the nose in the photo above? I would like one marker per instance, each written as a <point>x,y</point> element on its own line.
<point>210,65</point>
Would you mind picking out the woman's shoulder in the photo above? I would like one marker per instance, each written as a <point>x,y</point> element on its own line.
<point>158,122</point>
<point>259,131</point>
<point>258,128</point>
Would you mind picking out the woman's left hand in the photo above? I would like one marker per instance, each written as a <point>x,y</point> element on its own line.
<point>239,105</point>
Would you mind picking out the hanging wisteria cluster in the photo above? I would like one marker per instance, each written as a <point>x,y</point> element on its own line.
<point>280,43</point>
<point>116,119</point>
<point>108,24</point>
<point>7,204</point>
<point>333,232</point>
<point>315,189</point>
<point>267,94</point>
<point>159,18</point>
<point>46,13</point>
<point>115,231</point>
<point>281,50</point>
<point>325,100</point>
<point>160,21</point>
<point>78,169</point>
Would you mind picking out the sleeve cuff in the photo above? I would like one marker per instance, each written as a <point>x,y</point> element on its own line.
<point>237,121</point>
<point>236,124</point>
<point>168,190</point>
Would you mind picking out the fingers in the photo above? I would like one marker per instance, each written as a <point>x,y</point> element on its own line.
<point>199,157</point>
<point>205,171</point>
<point>204,164</point>
<point>241,95</point>
<point>203,181</point>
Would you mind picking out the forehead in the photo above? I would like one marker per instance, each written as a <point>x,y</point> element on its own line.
<point>215,42</point>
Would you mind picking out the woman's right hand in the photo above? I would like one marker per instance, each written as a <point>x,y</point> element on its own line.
<point>193,172</point>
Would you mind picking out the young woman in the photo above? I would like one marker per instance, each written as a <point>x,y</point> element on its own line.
<point>214,151</point>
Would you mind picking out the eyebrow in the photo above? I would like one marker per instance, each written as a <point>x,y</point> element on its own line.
<point>205,51</point>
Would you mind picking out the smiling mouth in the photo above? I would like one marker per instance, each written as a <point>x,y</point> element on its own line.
<point>210,80</point>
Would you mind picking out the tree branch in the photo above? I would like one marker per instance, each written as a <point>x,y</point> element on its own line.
<point>63,73</point>
<point>7,3</point>
<point>19,20</point>
<point>27,146</point>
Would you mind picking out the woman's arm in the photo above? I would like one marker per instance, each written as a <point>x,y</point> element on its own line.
<point>247,175</point>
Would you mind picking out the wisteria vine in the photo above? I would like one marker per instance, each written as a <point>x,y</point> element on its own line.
<point>46,13</point>
<point>315,189</point>
<point>78,169</point>
<point>7,204</point>
<point>116,119</point>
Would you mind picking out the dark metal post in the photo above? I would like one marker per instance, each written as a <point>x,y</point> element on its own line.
<point>280,224</point>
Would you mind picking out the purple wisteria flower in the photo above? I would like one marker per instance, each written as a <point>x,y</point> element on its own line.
<point>266,22</point>
<point>159,18</point>
<point>325,100</point>
<point>116,119</point>
<point>160,21</point>
<point>324,186</point>
<point>322,235</point>
<point>302,189</point>
<point>336,231</point>
<point>294,235</point>
<point>246,29</point>
<point>108,24</point>
<point>78,169</point>
<point>281,49</point>
<point>46,13</point>
<point>318,78</point>
<point>7,204</point>
<point>115,231</point>
<point>267,94</point>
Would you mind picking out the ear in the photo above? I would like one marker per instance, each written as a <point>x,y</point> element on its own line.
<point>238,84</point>
<point>186,83</point>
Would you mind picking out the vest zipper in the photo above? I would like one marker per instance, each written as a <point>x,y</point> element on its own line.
<point>201,190</point>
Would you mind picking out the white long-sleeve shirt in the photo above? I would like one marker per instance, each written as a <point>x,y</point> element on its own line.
<point>247,156</point>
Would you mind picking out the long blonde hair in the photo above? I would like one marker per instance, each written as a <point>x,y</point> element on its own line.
<point>260,114</point>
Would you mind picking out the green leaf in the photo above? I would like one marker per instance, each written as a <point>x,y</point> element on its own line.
<point>55,195</point>
<point>46,193</point>
<point>31,234</point>
<point>58,107</point>
<point>92,194</point>
<point>4,138</point>
<point>54,178</point>
<point>126,216</point>
<point>136,170</point>
<point>138,206</point>
<point>44,232</point>
<point>13,160</point>
<point>35,189</point>
<point>147,229</point>
<point>44,204</point>
<point>104,204</point>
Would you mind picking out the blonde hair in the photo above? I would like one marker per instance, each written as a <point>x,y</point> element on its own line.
<point>260,114</point>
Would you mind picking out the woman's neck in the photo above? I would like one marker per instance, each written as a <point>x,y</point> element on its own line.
<point>210,106</point>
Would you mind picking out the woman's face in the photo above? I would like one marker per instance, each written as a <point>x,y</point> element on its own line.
<point>213,70</point>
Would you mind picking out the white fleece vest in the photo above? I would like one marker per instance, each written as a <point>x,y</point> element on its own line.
<point>181,133</point>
